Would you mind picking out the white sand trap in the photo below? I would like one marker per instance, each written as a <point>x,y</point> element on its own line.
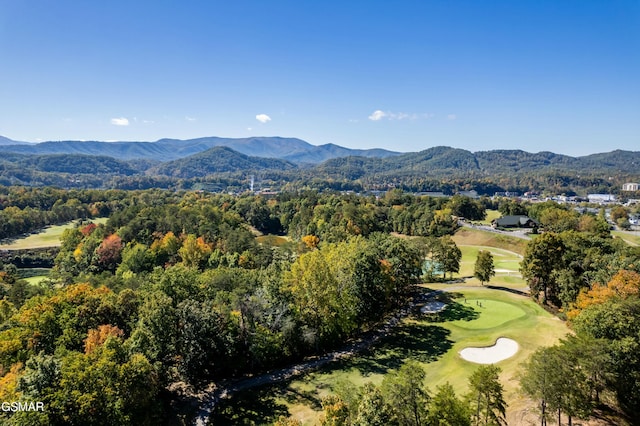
<point>433,307</point>
<point>503,349</point>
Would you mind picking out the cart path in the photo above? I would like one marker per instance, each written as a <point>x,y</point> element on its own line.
<point>209,398</point>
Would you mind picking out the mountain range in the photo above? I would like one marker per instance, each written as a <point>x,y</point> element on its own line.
<point>289,159</point>
<point>290,149</point>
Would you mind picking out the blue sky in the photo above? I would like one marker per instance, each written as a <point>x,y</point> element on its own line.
<point>561,76</point>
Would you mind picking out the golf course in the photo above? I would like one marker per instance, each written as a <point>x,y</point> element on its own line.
<point>503,319</point>
<point>47,237</point>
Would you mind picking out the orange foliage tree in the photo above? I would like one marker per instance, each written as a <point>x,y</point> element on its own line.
<point>97,337</point>
<point>623,285</point>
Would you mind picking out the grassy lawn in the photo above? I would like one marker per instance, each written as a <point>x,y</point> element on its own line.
<point>47,237</point>
<point>478,237</point>
<point>434,341</point>
<point>34,275</point>
<point>503,260</point>
<point>491,215</point>
<point>273,240</point>
<point>631,238</point>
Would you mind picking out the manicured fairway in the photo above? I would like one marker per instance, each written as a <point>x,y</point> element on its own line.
<point>631,238</point>
<point>48,237</point>
<point>34,275</point>
<point>504,261</point>
<point>434,340</point>
<point>479,237</point>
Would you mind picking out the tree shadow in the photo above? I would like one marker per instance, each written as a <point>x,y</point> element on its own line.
<point>254,406</point>
<point>418,341</point>
<point>259,405</point>
<point>297,396</point>
<point>455,311</point>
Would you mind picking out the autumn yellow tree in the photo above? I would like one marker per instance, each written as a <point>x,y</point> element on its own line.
<point>623,285</point>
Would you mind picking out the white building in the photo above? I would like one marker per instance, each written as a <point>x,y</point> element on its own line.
<point>601,198</point>
<point>631,186</point>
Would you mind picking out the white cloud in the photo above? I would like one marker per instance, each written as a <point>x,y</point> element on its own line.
<point>249,129</point>
<point>451,117</point>
<point>263,118</point>
<point>121,121</point>
<point>377,115</point>
<point>190,118</point>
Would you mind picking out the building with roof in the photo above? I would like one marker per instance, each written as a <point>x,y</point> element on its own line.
<point>515,221</point>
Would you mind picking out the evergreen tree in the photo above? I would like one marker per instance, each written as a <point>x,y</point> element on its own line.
<point>486,396</point>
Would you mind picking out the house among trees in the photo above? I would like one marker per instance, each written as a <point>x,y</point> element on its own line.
<point>515,221</point>
<point>631,186</point>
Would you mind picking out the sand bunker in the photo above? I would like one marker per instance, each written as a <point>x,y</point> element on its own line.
<point>503,349</point>
<point>433,307</point>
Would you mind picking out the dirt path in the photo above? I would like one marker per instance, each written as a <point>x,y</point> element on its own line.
<point>210,397</point>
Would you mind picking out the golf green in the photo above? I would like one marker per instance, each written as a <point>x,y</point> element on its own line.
<point>491,314</point>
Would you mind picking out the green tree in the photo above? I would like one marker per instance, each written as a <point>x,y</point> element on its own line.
<point>486,396</point>
<point>404,390</point>
<point>537,380</point>
<point>448,255</point>
<point>559,219</point>
<point>136,258</point>
<point>446,409</point>
<point>483,269</point>
<point>467,208</point>
<point>508,207</point>
<point>322,289</point>
<point>373,410</point>
<point>106,386</point>
<point>619,212</point>
<point>542,258</point>
<point>201,344</point>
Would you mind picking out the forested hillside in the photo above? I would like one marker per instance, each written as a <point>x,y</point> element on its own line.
<point>176,288</point>
<point>292,149</point>
<point>281,163</point>
<point>219,160</point>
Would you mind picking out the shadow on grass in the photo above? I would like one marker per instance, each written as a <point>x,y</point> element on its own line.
<point>257,406</point>
<point>418,341</point>
<point>454,311</point>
